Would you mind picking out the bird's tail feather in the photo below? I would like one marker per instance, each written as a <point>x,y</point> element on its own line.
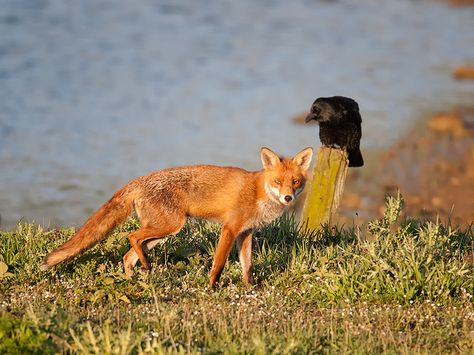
<point>355,158</point>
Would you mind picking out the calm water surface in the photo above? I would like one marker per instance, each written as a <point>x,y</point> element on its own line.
<point>94,93</point>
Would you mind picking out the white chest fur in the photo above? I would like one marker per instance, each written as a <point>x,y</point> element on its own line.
<point>267,212</point>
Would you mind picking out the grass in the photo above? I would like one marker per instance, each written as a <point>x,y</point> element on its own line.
<point>395,287</point>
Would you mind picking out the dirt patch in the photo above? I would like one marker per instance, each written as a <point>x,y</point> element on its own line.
<point>464,72</point>
<point>432,167</point>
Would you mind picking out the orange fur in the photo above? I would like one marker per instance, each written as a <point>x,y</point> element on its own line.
<point>241,200</point>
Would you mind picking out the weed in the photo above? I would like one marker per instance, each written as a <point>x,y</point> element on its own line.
<point>403,286</point>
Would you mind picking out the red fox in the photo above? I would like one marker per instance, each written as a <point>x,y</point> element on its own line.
<point>241,200</point>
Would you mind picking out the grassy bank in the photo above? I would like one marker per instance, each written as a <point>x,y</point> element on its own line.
<point>399,287</point>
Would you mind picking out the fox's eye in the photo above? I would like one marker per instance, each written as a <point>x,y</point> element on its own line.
<point>296,182</point>
<point>278,182</point>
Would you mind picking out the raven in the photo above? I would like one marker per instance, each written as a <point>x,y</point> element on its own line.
<point>339,125</point>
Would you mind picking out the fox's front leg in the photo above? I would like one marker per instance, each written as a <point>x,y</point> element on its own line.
<point>224,246</point>
<point>244,244</point>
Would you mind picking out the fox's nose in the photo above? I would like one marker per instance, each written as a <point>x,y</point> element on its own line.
<point>288,198</point>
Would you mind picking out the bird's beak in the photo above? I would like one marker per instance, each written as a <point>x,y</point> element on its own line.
<point>309,117</point>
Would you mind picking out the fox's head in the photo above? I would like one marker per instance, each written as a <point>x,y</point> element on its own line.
<point>284,178</point>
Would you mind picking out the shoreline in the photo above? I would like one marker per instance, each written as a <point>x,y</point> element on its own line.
<point>432,166</point>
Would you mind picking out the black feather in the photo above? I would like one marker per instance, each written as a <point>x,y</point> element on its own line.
<point>339,125</point>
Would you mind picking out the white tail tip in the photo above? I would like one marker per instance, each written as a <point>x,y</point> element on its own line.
<point>44,267</point>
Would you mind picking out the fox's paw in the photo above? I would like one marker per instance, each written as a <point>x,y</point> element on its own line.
<point>145,270</point>
<point>128,269</point>
<point>249,281</point>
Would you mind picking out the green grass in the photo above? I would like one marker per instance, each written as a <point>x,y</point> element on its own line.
<point>395,287</point>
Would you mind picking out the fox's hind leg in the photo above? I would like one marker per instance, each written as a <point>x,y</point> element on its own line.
<point>131,258</point>
<point>148,237</point>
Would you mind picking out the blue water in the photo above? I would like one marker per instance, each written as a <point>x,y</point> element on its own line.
<point>94,93</point>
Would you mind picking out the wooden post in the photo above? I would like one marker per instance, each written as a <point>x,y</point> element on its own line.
<point>325,190</point>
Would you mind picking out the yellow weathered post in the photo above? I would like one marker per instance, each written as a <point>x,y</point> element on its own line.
<point>325,189</point>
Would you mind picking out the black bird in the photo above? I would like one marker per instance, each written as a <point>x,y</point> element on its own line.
<point>339,125</point>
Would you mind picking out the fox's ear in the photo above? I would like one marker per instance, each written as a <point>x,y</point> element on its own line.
<point>269,159</point>
<point>303,158</point>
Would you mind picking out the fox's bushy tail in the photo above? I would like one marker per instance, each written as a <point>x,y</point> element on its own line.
<point>95,229</point>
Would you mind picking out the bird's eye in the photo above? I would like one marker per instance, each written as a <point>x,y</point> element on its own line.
<point>276,181</point>
<point>296,182</point>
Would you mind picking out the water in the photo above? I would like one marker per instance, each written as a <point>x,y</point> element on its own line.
<point>94,93</point>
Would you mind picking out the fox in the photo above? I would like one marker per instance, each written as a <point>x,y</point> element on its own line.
<point>240,200</point>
